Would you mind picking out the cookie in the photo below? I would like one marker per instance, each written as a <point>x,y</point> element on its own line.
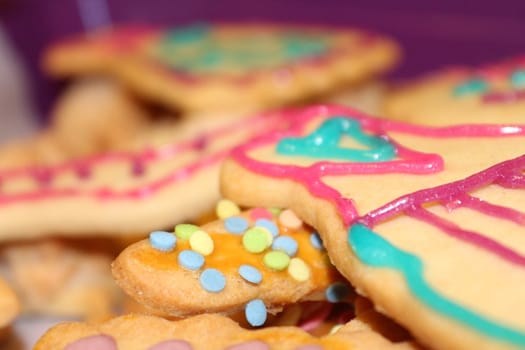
<point>257,261</point>
<point>226,67</point>
<point>425,221</point>
<point>62,277</point>
<point>9,306</point>
<point>492,93</point>
<point>209,331</point>
<point>165,176</point>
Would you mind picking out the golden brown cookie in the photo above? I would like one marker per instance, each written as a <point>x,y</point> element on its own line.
<point>492,93</point>
<point>427,222</point>
<point>226,67</point>
<point>210,332</point>
<point>258,261</point>
<point>9,306</point>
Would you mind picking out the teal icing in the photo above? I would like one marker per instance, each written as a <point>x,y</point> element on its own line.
<point>375,251</point>
<point>324,143</point>
<point>194,48</point>
<point>517,78</point>
<point>471,87</point>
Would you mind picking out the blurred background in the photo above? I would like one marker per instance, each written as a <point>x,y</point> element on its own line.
<point>432,34</point>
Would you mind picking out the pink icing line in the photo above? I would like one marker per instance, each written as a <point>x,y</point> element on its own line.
<point>45,175</point>
<point>414,162</point>
<point>318,317</point>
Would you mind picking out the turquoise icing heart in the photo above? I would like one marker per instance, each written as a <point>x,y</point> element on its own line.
<point>324,143</point>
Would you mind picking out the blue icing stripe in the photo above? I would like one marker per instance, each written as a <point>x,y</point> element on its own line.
<point>375,251</point>
<point>324,143</point>
<point>187,35</point>
<point>471,87</point>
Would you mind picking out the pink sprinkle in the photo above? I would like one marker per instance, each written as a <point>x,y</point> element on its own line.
<point>260,213</point>
<point>172,345</point>
<point>309,347</point>
<point>94,342</point>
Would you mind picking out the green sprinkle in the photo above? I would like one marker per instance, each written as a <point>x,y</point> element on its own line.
<point>276,260</point>
<point>255,240</point>
<point>184,231</point>
<point>275,211</point>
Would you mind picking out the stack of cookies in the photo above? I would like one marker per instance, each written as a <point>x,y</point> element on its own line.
<point>337,229</point>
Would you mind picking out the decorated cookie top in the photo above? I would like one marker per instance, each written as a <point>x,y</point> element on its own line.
<point>207,67</point>
<point>257,261</point>
<point>493,93</point>
<point>210,332</point>
<point>405,206</point>
<point>88,188</point>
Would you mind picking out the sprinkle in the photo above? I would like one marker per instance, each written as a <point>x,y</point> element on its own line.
<point>316,241</point>
<point>269,237</point>
<point>335,328</point>
<point>212,280</point>
<point>163,241</point>
<point>275,211</point>
<point>255,240</point>
<point>286,244</point>
<point>299,270</point>
<point>174,344</point>
<point>250,345</point>
<point>100,341</point>
<point>473,86</point>
<point>236,224</point>
<point>250,274</point>
<point>226,208</point>
<point>276,260</point>
<point>289,219</point>
<point>255,312</point>
<point>184,231</point>
<point>190,259</point>
<point>260,213</point>
<point>201,242</point>
<point>337,292</point>
<point>269,225</point>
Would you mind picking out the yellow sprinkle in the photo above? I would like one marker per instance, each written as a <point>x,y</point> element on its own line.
<point>299,270</point>
<point>226,208</point>
<point>289,219</point>
<point>201,242</point>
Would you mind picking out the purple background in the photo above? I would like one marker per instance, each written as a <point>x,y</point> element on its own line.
<point>433,34</point>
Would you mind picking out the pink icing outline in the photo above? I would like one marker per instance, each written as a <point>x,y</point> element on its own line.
<point>83,167</point>
<point>310,176</point>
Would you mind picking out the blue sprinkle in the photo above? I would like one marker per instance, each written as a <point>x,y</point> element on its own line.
<point>212,280</point>
<point>286,244</point>
<point>316,240</point>
<point>268,224</point>
<point>236,224</point>
<point>473,86</point>
<point>255,312</point>
<point>250,274</point>
<point>337,292</point>
<point>191,259</point>
<point>162,240</point>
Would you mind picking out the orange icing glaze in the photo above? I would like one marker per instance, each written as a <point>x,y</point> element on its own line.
<point>229,254</point>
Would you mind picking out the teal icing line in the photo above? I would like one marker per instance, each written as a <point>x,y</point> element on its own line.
<point>324,143</point>
<point>187,35</point>
<point>473,86</point>
<point>375,251</point>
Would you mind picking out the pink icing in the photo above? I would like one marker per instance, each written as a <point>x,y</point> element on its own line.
<point>94,342</point>
<point>314,320</point>
<point>138,162</point>
<point>507,174</point>
<point>174,344</point>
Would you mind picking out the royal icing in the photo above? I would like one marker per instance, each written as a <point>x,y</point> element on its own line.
<point>367,245</point>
